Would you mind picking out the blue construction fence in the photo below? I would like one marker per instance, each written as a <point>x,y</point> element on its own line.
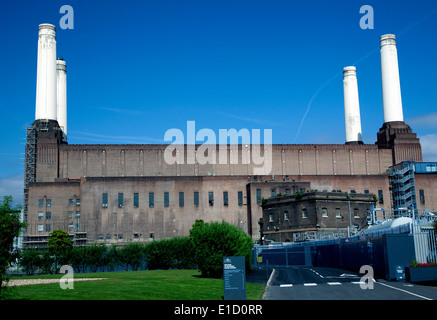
<point>383,253</point>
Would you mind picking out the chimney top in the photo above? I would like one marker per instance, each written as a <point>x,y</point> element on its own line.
<point>387,39</point>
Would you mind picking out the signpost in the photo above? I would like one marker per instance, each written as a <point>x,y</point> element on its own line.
<point>234,278</point>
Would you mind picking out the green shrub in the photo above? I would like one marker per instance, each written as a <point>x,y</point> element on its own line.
<point>30,261</point>
<point>213,241</point>
<point>132,255</point>
<point>171,253</point>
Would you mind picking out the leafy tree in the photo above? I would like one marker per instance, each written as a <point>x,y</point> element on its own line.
<point>213,241</point>
<point>60,245</point>
<point>10,227</point>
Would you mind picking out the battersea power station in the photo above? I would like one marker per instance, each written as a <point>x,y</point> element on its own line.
<point>118,194</point>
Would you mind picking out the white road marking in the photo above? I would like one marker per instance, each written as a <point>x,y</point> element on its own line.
<point>285,285</point>
<point>413,294</point>
<point>310,284</point>
<point>334,283</point>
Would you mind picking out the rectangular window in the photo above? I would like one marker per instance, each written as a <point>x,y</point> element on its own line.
<point>104,200</point>
<point>225,198</point>
<point>356,213</point>
<point>240,198</point>
<point>366,191</point>
<point>211,198</point>
<point>258,196</point>
<point>380,196</point>
<point>48,215</point>
<point>70,227</point>
<point>40,215</point>
<point>288,192</point>
<point>166,199</point>
<point>49,203</point>
<point>120,200</point>
<point>151,199</point>
<point>78,202</point>
<point>70,214</point>
<point>304,213</point>
<point>41,203</point>
<point>286,215</point>
<point>48,228</point>
<point>337,213</point>
<point>181,199</point>
<point>271,217</point>
<point>324,212</point>
<point>196,198</point>
<point>40,227</point>
<point>70,202</point>
<point>422,196</point>
<point>136,200</point>
<point>273,193</point>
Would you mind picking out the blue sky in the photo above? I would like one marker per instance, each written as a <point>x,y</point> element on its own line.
<point>138,68</point>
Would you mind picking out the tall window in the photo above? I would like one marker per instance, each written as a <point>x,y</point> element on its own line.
<point>240,198</point>
<point>225,198</point>
<point>258,195</point>
<point>151,199</point>
<point>421,196</point>
<point>120,200</point>
<point>181,199</point>
<point>49,203</point>
<point>211,198</point>
<point>104,200</point>
<point>337,213</point>
<point>41,203</point>
<point>273,193</point>
<point>196,198</point>
<point>136,200</point>
<point>380,196</point>
<point>286,215</point>
<point>304,213</point>
<point>166,199</point>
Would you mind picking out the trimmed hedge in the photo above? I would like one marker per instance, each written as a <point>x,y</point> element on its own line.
<point>159,254</point>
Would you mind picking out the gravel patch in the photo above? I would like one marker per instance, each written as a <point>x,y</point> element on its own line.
<point>25,282</point>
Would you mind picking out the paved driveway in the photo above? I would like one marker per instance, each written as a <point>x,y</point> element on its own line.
<point>313,283</point>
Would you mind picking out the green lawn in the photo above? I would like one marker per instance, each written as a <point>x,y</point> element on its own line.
<point>133,285</point>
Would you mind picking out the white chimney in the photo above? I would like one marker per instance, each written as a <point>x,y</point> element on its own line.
<point>61,76</point>
<point>351,106</point>
<point>391,87</point>
<point>45,107</point>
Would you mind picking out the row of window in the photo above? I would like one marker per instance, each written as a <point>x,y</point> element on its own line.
<point>48,215</point>
<point>181,198</point>
<point>72,227</point>
<point>305,214</point>
<point>48,203</point>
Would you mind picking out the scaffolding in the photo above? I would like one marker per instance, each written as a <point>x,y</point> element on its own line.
<point>29,166</point>
<point>403,186</point>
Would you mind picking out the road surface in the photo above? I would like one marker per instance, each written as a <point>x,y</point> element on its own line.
<point>316,283</point>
